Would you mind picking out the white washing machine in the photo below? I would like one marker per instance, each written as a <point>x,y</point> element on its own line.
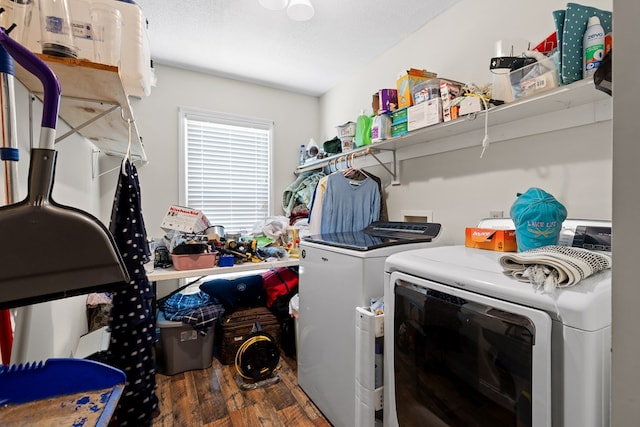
<point>466,344</point>
<point>339,272</point>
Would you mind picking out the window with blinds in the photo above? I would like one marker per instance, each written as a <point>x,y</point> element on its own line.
<point>226,168</point>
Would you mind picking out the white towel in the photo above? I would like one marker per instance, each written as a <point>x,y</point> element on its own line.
<point>554,266</point>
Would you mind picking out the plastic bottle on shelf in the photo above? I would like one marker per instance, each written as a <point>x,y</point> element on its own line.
<point>592,47</point>
<point>303,154</point>
<point>363,130</point>
<point>378,366</point>
<point>381,128</point>
<point>312,149</point>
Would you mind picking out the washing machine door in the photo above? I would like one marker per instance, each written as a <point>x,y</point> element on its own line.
<point>457,358</point>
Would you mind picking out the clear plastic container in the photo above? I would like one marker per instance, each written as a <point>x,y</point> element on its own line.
<point>535,78</point>
<point>17,12</point>
<point>347,130</point>
<point>106,28</point>
<point>424,91</point>
<point>56,32</point>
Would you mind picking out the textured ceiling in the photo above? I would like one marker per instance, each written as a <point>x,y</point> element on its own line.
<point>240,39</point>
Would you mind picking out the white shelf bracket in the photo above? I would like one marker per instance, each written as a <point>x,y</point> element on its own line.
<point>87,123</point>
<point>395,178</point>
<point>33,96</point>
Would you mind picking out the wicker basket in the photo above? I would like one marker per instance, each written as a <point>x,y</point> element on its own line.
<point>239,324</point>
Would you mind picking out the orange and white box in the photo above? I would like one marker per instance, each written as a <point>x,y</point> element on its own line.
<point>490,238</point>
<point>184,219</point>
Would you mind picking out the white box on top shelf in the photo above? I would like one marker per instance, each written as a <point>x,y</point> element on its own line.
<point>426,113</point>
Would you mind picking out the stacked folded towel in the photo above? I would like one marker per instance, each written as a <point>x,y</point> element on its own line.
<point>554,266</point>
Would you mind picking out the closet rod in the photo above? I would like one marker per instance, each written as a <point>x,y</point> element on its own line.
<point>344,157</point>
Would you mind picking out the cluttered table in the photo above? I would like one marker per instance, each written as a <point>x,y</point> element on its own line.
<point>171,273</point>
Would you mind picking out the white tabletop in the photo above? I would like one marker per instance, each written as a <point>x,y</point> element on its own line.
<point>171,273</point>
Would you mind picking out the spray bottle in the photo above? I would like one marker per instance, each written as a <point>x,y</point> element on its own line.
<point>592,47</point>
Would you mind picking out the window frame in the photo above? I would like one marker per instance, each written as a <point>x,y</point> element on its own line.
<point>190,113</point>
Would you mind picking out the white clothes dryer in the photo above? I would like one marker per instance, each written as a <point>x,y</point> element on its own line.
<point>466,344</point>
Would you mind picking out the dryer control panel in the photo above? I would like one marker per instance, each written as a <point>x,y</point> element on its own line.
<point>594,235</point>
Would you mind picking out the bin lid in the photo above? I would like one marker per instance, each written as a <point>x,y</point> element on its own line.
<point>294,305</point>
<point>162,322</point>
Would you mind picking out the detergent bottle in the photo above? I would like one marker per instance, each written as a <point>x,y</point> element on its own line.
<point>592,47</point>
<point>363,130</point>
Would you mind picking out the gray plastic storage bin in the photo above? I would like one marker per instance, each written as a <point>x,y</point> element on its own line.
<point>182,347</point>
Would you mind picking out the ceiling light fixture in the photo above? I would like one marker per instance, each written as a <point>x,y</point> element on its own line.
<point>273,4</point>
<point>300,10</point>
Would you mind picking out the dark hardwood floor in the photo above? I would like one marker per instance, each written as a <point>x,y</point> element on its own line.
<point>212,397</point>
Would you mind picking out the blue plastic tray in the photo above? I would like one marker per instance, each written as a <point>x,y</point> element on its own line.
<point>24,384</point>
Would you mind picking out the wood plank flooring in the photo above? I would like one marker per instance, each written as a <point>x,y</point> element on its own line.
<point>212,397</point>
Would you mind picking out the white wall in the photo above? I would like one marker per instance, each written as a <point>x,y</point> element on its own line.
<point>457,44</point>
<point>459,187</point>
<point>295,117</point>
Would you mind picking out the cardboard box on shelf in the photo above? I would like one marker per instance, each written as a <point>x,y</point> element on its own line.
<point>186,220</point>
<point>492,239</point>
<point>451,111</point>
<point>407,81</point>
<point>399,129</point>
<point>399,116</point>
<point>384,100</point>
<point>449,90</point>
<point>425,114</point>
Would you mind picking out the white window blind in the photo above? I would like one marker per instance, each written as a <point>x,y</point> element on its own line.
<point>226,168</point>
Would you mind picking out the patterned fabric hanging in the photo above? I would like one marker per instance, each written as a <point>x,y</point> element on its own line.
<point>131,321</point>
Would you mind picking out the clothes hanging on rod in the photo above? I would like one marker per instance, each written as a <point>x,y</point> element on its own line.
<point>352,173</point>
<point>131,322</point>
<point>315,210</point>
<point>384,215</point>
<point>349,204</point>
<point>299,193</point>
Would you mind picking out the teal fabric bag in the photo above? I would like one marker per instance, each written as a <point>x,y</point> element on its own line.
<point>571,25</point>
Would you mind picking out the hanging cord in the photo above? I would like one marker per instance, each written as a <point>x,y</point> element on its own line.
<point>265,353</point>
<point>473,90</point>
<point>485,140</point>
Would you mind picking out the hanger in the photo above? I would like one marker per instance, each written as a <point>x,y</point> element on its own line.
<point>127,155</point>
<point>352,172</point>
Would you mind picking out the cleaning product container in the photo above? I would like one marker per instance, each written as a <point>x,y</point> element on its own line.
<point>363,130</point>
<point>592,47</point>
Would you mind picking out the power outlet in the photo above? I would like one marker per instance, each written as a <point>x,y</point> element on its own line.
<point>417,216</point>
<point>496,214</point>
